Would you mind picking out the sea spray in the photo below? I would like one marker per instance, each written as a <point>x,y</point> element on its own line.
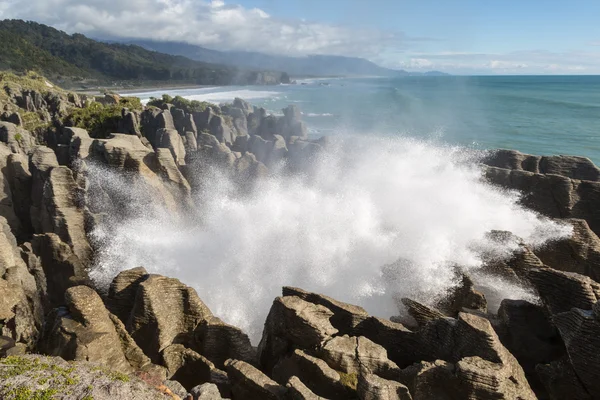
<point>364,204</point>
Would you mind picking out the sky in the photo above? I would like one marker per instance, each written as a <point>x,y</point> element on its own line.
<point>455,36</point>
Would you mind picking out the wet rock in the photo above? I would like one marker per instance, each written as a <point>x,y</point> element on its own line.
<point>569,166</point>
<point>580,330</point>
<point>530,336</point>
<point>249,383</point>
<point>579,253</point>
<point>561,382</point>
<point>463,296</point>
<point>346,317</point>
<point>420,312</point>
<point>293,322</point>
<point>561,291</point>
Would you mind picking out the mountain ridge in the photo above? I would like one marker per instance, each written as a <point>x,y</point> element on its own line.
<point>28,45</point>
<point>311,65</point>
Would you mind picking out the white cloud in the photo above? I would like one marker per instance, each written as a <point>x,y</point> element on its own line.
<point>215,24</point>
<point>521,62</point>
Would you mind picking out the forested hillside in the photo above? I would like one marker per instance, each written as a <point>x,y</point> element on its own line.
<point>32,46</point>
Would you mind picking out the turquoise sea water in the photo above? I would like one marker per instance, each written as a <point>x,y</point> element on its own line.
<point>533,114</point>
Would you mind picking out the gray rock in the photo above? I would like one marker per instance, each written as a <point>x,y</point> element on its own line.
<point>372,387</point>
<point>221,130</point>
<point>207,391</point>
<point>317,375</point>
<point>349,354</point>
<point>561,291</point>
<point>249,383</point>
<point>190,368</point>
<point>293,322</point>
<point>170,139</point>
<point>299,391</point>
<point>164,312</point>
<point>18,139</point>
<point>86,332</point>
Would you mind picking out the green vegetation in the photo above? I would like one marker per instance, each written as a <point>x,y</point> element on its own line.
<point>186,105</point>
<point>28,46</point>
<point>101,120</point>
<point>349,380</point>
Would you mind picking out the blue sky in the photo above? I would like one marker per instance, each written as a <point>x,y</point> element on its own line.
<point>457,36</point>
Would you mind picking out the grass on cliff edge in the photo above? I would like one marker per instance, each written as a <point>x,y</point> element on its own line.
<point>30,80</point>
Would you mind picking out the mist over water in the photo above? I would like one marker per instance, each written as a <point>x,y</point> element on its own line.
<point>365,204</point>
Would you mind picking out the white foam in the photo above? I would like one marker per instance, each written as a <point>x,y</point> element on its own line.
<point>365,205</point>
<point>216,97</point>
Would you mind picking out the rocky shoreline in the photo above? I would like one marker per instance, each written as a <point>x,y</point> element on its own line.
<point>151,336</point>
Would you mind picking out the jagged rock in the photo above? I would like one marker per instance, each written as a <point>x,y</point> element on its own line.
<point>123,290</point>
<point>302,153</point>
<point>173,177</point>
<point>21,309</point>
<point>350,354</point>
<point>318,376</point>
<point>580,330</point>
<point>485,367</point>
<point>260,148</point>
<point>219,342</point>
<point>435,380</point>
<point>463,296</point>
<point>62,267</point>
<point>420,312</point>
<point>202,119</point>
<point>555,196</point>
<point>86,332</point>
<point>129,123</point>
<point>243,105</point>
<point>126,152</point>
<point>247,169</point>
<point>293,125</point>
<point>191,143</point>
<point>372,387</point>
<point>10,206</point>
<point>18,139</point>
<point>219,128</point>
<point>42,161</point>
<point>561,291</point>
<point>561,382</point>
<point>164,312</point>
<point>569,166</point>
<point>296,390</point>
<point>346,317</point>
<point>249,383</point>
<point>34,266</point>
<point>239,121</point>
<point>152,120</point>
<point>38,376</point>
<point>579,253</point>
<point>207,391</point>
<point>170,139</point>
<point>529,335</point>
<point>190,368</point>
<point>61,211</point>
<point>80,144</point>
<point>13,118</point>
<point>293,322</point>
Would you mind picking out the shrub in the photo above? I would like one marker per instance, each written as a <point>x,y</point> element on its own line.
<point>99,120</point>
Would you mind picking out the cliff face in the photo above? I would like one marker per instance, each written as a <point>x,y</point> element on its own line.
<point>153,336</point>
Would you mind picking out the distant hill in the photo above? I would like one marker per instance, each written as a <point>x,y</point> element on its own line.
<point>316,65</point>
<point>33,46</point>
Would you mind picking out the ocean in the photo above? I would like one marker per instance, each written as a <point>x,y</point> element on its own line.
<point>534,114</point>
<point>391,213</point>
